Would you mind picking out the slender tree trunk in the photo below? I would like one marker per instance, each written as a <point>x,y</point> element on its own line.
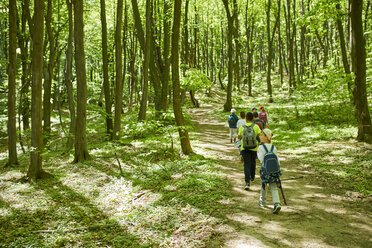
<point>12,129</point>
<point>183,133</point>
<point>358,64</point>
<point>68,79</point>
<point>106,82</point>
<point>341,36</point>
<point>227,106</point>
<point>23,41</point>
<point>146,63</point>
<point>154,64</point>
<point>35,170</point>
<point>49,77</point>
<point>166,69</point>
<point>119,71</point>
<point>237,44</point>
<point>291,79</point>
<point>81,151</point>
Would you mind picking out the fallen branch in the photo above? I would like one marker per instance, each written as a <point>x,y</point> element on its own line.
<point>121,171</point>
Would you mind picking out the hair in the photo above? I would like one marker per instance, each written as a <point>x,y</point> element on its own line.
<point>249,116</point>
<point>255,114</point>
<point>242,114</point>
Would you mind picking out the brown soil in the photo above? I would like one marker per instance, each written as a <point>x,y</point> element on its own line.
<point>316,215</point>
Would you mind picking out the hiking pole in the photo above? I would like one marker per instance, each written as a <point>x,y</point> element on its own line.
<point>281,190</point>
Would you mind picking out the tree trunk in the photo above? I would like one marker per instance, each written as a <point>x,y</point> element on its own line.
<point>81,151</point>
<point>237,44</point>
<point>358,63</point>
<point>183,133</point>
<point>341,36</point>
<point>35,170</point>
<point>68,80</point>
<point>12,129</point>
<point>106,82</point>
<point>146,63</point>
<point>166,69</point>
<point>49,78</point>
<point>23,44</point>
<point>230,28</point>
<point>154,64</point>
<point>291,78</point>
<point>119,71</point>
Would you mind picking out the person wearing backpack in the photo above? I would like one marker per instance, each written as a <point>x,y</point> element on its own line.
<point>233,120</point>
<point>270,170</point>
<point>258,121</point>
<point>248,150</point>
<point>263,116</point>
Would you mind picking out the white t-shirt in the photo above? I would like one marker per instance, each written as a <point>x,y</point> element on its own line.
<point>240,123</point>
<point>261,152</point>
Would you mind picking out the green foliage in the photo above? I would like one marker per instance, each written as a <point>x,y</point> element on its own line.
<point>194,79</point>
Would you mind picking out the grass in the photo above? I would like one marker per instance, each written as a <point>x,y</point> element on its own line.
<point>162,199</point>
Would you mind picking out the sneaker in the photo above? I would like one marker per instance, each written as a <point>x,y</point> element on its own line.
<point>246,187</point>
<point>276,208</point>
<point>262,204</point>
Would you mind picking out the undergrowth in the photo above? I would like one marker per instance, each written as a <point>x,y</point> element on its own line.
<point>136,192</point>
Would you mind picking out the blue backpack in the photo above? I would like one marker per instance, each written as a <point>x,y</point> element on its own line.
<point>232,120</point>
<point>270,165</point>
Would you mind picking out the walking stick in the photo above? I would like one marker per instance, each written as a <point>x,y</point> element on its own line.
<point>281,190</point>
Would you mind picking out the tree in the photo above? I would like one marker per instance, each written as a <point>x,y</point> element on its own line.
<point>35,170</point>
<point>12,129</point>
<point>48,72</point>
<point>106,83</point>
<point>68,79</point>
<point>341,36</point>
<point>119,72</point>
<point>358,64</point>
<point>230,27</point>
<point>183,133</point>
<point>81,151</point>
<point>146,63</point>
<point>270,40</point>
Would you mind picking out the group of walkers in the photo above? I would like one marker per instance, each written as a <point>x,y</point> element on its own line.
<point>250,133</point>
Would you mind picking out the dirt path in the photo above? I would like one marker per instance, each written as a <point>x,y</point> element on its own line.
<point>316,215</point>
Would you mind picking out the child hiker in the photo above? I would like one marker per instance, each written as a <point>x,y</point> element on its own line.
<point>233,120</point>
<point>266,153</point>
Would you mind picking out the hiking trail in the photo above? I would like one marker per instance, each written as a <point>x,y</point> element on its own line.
<point>316,215</point>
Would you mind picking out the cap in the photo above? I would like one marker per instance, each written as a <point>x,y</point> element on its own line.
<point>261,107</point>
<point>233,110</point>
<point>268,133</point>
<point>253,108</point>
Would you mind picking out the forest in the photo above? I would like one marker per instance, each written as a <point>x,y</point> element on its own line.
<point>114,132</point>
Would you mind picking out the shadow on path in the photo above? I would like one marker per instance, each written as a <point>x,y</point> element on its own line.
<point>314,217</point>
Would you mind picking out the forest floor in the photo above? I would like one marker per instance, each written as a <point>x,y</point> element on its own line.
<point>320,213</point>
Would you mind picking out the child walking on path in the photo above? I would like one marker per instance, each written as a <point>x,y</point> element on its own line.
<point>233,121</point>
<point>249,154</point>
<point>273,179</point>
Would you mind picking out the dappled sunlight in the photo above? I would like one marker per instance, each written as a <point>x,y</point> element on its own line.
<point>313,215</point>
<point>245,219</point>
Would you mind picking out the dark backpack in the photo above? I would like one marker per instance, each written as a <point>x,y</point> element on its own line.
<point>259,122</point>
<point>249,137</point>
<point>270,165</point>
<point>231,120</point>
<point>263,116</point>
